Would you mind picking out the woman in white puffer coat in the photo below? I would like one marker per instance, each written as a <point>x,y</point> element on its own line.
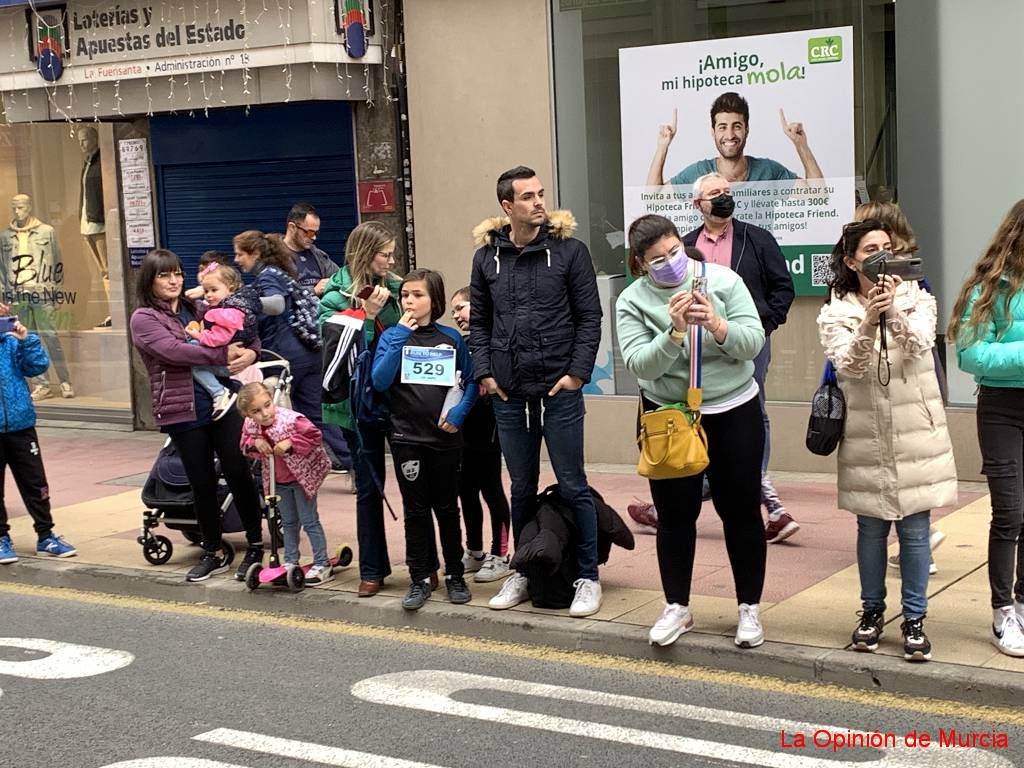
<point>896,459</point>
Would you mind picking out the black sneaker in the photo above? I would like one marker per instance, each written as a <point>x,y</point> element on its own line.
<point>254,554</point>
<point>869,631</point>
<point>209,564</point>
<point>916,646</point>
<point>458,592</point>
<point>417,595</point>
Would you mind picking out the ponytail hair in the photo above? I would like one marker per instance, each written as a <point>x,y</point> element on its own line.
<point>269,250</point>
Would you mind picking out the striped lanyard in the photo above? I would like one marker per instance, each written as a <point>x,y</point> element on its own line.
<point>696,342</point>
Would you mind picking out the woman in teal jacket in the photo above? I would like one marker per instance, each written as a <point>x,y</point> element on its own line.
<point>988,329</point>
<point>369,259</point>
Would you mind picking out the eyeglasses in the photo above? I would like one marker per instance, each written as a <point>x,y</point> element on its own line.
<point>389,255</point>
<point>456,308</point>
<point>312,234</point>
<point>659,261</point>
<point>167,275</point>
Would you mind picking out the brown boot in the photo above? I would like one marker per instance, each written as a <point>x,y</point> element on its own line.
<point>369,588</point>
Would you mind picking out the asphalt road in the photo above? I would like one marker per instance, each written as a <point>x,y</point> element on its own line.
<point>94,682</point>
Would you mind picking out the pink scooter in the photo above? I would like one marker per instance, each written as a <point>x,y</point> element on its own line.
<point>278,574</point>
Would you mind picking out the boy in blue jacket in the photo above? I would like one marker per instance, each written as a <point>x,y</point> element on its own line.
<point>419,365</point>
<point>22,356</point>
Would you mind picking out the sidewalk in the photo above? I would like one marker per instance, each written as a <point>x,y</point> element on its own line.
<point>809,606</point>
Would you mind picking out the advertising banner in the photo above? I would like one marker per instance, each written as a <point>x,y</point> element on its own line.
<point>782,132</point>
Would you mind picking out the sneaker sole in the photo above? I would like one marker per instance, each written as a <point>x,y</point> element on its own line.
<point>214,572</point>
<point>42,553</point>
<point>459,601</point>
<point>917,656</point>
<point>8,560</point>
<point>1014,652</point>
<point>505,606</point>
<point>749,643</point>
<point>864,647</point>
<point>785,533</point>
<point>932,567</point>
<point>487,578</point>
<point>314,584</point>
<point>671,638</point>
<point>584,614</point>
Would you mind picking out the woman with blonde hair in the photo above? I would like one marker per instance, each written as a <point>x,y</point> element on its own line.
<point>366,282</point>
<point>987,327</point>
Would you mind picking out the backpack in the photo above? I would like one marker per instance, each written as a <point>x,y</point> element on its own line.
<point>369,407</point>
<point>343,340</point>
<point>304,312</point>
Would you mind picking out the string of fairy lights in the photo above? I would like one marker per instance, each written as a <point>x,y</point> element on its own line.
<point>186,91</point>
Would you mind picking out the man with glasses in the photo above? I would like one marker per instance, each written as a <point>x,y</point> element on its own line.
<point>314,266</point>
<point>754,254</point>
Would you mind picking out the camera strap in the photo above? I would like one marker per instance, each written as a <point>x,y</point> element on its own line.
<point>883,344</point>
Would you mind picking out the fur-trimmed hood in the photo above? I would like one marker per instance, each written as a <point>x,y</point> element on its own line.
<point>561,225</point>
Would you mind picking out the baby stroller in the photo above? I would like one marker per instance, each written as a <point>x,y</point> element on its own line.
<point>168,497</point>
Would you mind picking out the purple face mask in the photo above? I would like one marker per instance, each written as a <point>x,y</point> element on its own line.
<point>669,270</point>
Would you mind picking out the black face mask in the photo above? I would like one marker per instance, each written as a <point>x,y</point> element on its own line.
<point>722,206</point>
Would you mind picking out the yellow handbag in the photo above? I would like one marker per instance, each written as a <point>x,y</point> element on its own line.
<point>672,441</point>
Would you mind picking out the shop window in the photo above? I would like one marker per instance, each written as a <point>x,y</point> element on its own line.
<point>59,246</point>
<point>587,38</point>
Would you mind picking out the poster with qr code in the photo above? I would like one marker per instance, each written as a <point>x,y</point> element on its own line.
<point>772,113</point>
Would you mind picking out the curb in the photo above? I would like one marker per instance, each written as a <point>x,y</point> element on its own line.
<point>938,680</point>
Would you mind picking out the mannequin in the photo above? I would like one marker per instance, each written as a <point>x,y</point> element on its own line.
<point>90,204</point>
<point>33,276</point>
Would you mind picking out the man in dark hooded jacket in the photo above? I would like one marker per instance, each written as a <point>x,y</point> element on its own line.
<point>535,326</point>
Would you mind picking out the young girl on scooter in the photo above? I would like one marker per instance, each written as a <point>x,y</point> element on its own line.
<point>295,446</point>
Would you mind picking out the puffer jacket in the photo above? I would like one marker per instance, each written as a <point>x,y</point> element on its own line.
<point>895,458</point>
<point>19,360</point>
<point>161,341</point>
<point>996,357</point>
<point>536,313</point>
<point>247,301</point>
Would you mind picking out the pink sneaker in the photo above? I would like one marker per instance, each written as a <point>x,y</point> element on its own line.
<point>781,529</point>
<point>645,515</point>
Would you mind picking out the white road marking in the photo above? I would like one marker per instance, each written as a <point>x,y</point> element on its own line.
<point>302,750</point>
<point>172,762</point>
<point>432,691</point>
<point>65,661</point>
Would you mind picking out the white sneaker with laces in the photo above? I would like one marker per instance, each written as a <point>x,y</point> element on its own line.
<point>319,574</point>
<point>749,632</point>
<point>676,620</point>
<point>470,562</point>
<point>494,568</point>
<point>588,598</point>
<point>513,592</point>
<point>1008,632</point>
<point>222,404</point>
<point>66,391</point>
<point>41,392</point>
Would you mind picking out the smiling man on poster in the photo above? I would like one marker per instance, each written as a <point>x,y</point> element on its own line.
<point>730,127</point>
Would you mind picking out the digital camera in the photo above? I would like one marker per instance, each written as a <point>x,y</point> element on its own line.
<point>7,323</point>
<point>886,263</point>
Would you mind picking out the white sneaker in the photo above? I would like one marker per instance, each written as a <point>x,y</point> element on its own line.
<point>749,632</point>
<point>65,390</point>
<point>676,620</point>
<point>513,592</point>
<point>41,392</point>
<point>588,598</point>
<point>935,538</point>
<point>894,560</point>
<point>1008,633</point>
<point>318,575</point>
<point>1019,608</point>
<point>222,404</point>
<point>471,563</point>
<point>494,568</point>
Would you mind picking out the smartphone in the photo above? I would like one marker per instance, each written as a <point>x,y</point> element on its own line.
<point>7,323</point>
<point>700,284</point>
<point>364,292</point>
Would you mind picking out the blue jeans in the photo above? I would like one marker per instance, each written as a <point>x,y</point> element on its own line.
<point>298,509</point>
<point>207,379</point>
<point>559,420</point>
<point>915,555</point>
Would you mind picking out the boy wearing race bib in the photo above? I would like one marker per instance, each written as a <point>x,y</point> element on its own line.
<point>419,363</point>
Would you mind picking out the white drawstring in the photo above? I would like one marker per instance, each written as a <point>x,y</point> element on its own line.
<point>549,257</point>
<point>497,261</point>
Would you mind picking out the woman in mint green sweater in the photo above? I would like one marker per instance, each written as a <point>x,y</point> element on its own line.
<point>988,329</point>
<point>653,317</point>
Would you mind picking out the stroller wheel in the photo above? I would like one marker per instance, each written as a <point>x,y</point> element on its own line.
<point>252,576</point>
<point>157,550</point>
<point>344,555</point>
<point>227,553</point>
<point>192,537</point>
<point>296,578</point>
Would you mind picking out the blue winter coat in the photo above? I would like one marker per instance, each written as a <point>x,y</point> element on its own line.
<point>19,360</point>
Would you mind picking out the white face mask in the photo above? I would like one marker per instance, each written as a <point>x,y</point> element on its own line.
<point>669,270</point>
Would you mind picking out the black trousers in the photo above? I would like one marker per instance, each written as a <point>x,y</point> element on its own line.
<point>20,451</point>
<point>481,475</point>
<point>197,448</point>
<point>428,479</point>
<point>1001,438</point>
<point>735,447</point>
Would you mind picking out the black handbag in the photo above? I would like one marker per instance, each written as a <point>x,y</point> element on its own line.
<point>828,414</point>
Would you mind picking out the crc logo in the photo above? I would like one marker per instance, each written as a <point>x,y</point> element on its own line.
<point>822,50</point>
